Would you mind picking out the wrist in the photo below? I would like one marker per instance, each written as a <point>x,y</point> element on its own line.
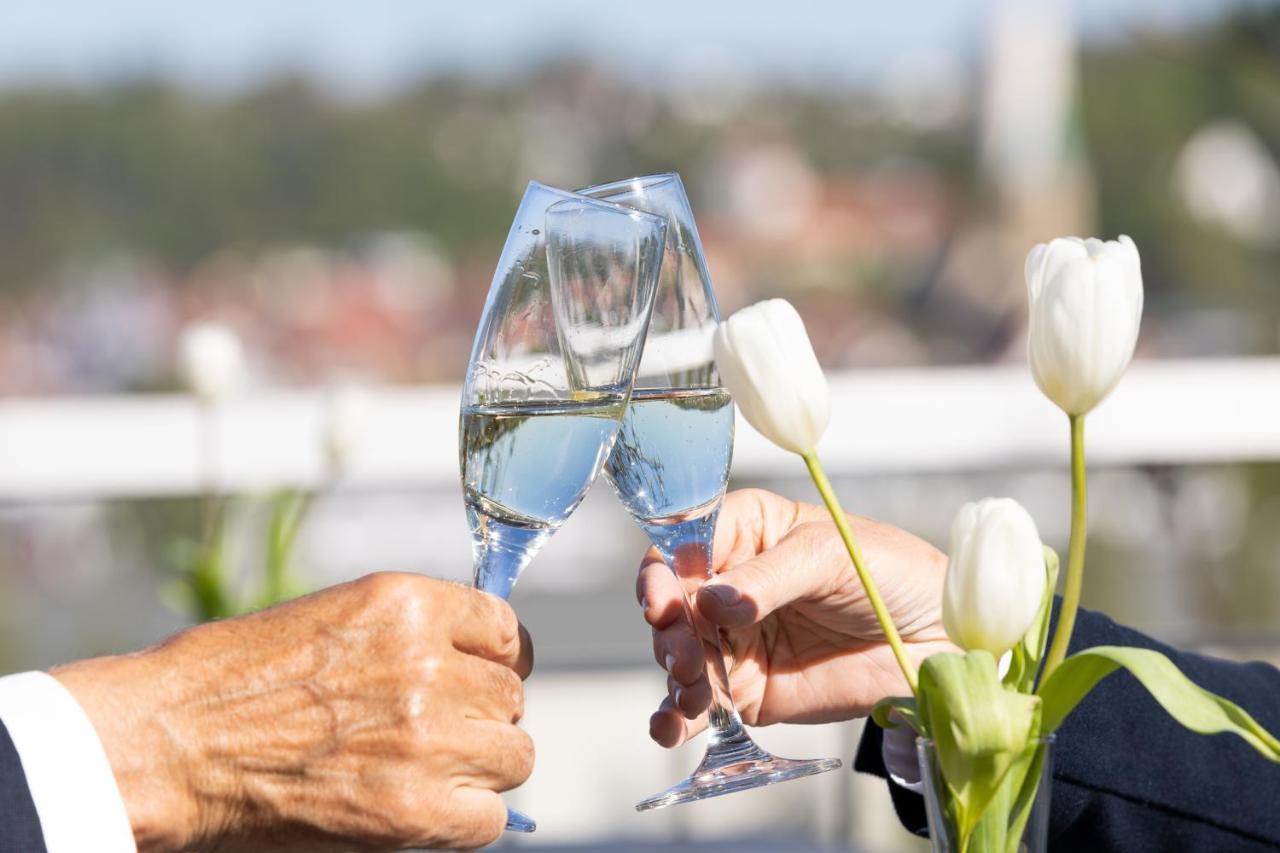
<point>124,698</point>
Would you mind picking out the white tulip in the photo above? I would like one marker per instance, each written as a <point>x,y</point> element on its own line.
<point>995,576</point>
<point>1086,306</point>
<point>211,360</point>
<point>346,418</point>
<point>767,364</point>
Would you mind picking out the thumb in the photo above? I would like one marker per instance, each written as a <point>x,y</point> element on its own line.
<point>798,567</point>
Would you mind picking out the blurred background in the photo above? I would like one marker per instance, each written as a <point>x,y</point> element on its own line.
<point>331,185</point>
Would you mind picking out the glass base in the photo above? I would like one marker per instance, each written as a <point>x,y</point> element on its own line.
<point>517,822</point>
<point>741,774</point>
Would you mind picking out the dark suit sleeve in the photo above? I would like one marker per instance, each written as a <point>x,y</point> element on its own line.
<point>1127,777</point>
<point>19,823</point>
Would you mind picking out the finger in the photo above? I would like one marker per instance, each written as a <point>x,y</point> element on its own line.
<point>678,650</point>
<point>660,593</point>
<point>487,626</point>
<point>497,756</point>
<point>669,728</point>
<point>492,691</point>
<point>753,520</point>
<point>479,817</point>
<point>650,558</point>
<point>524,663</point>
<point>691,700</point>
<point>797,568</point>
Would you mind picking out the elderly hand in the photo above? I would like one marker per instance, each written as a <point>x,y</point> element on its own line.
<point>801,640</point>
<point>378,714</point>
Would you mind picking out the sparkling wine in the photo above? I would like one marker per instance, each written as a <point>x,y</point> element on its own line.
<point>671,460</point>
<point>525,468</point>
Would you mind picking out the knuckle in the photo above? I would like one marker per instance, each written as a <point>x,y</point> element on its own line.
<point>403,599</point>
<point>386,586</point>
<point>426,673</point>
<point>523,755</point>
<point>509,690</point>
<point>491,611</point>
<point>413,705</point>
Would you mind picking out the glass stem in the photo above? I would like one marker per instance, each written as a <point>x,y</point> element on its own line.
<point>501,551</point>
<point>726,733</point>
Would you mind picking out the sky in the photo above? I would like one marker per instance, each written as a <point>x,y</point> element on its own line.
<point>374,46</point>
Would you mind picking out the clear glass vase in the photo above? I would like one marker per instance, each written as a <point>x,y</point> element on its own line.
<point>1017,822</point>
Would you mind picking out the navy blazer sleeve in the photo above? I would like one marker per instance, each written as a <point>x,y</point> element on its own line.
<point>19,823</point>
<point>1129,778</point>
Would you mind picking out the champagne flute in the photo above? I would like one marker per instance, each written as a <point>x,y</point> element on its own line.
<point>670,466</point>
<point>550,374</point>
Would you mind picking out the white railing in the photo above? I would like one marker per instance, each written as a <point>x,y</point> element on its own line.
<point>885,421</point>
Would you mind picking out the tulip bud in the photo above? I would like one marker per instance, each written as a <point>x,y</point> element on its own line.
<point>211,360</point>
<point>1086,306</point>
<point>767,364</point>
<point>995,577</point>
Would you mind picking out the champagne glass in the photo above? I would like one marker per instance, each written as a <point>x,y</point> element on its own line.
<point>670,466</point>
<point>550,374</point>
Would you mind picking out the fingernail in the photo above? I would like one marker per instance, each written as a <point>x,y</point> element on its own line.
<point>679,693</point>
<point>725,594</point>
<point>671,661</point>
<point>644,603</point>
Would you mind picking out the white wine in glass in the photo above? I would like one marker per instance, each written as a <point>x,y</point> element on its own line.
<point>550,374</point>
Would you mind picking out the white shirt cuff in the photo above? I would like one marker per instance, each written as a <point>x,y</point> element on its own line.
<point>66,768</point>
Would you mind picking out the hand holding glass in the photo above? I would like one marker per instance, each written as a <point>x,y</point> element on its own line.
<point>670,466</point>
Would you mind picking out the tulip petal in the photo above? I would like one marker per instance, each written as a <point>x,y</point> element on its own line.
<point>767,363</point>
<point>995,576</point>
<point>1085,312</point>
<point>1046,259</point>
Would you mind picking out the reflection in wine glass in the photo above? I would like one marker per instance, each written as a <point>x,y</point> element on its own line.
<point>550,374</point>
<point>670,466</point>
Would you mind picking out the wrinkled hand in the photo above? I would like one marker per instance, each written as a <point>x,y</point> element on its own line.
<point>801,640</point>
<point>378,714</point>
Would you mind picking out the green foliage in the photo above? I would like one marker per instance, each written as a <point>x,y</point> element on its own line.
<point>1026,656</point>
<point>904,707</point>
<point>205,586</point>
<point>288,511</point>
<point>1191,705</point>
<point>982,732</point>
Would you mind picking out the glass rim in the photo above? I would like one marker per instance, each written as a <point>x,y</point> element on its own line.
<point>657,179</point>
<point>1039,740</point>
<point>566,196</point>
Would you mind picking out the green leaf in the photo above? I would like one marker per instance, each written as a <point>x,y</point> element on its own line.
<point>288,511</point>
<point>979,727</point>
<point>999,828</point>
<point>1028,785</point>
<point>906,708</point>
<point>1027,655</point>
<point>1189,704</point>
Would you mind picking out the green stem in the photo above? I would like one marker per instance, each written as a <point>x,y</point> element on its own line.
<point>286,522</point>
<point>868,583</point>
<point>1075,555</point>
